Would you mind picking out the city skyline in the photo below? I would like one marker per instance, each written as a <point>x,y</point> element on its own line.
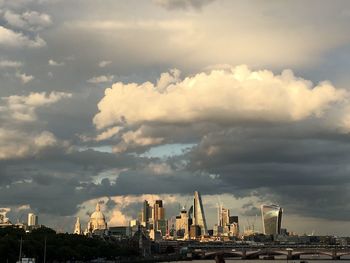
<point>119,101</point>
<point>248,224</point>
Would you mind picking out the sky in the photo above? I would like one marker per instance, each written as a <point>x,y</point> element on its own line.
<point>121,101</point>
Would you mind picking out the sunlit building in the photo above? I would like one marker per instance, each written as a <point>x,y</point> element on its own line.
<point>198,214</point>
<point>225,216</point>
<point>271,219</point>
<point>97,222</point>
<point>182,224</point>
<point>4,221</point>
<point>32,219</point>
<point>77,227</point>
<point>159,222</point>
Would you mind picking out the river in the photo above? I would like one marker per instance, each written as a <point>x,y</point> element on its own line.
<point>270,261</point>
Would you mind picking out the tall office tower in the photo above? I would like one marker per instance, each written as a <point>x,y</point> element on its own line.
<point>272,219</point>
<point>225,216</point>
<point>234,229</point>
<point>198,214</point>
<point>182,224</point>
<point>77,227</point>
<point>158,210</point>
<point>159,222</point>
<point>32,219</point>
<point>146,214</point>
<point>234,225</point>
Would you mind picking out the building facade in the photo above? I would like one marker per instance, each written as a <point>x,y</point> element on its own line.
<point>198,214</point>
<point>182,224</point>
<point>97,221</point>
<point>271,219</point>
<point>77,227</point>
<point>32,219</point>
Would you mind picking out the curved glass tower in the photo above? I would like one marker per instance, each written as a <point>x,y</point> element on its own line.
<point>272,219</point>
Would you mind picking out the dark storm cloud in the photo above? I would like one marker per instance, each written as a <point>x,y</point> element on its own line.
<point>303,166</point>
<point>307,175</point>
<point>56,183</point>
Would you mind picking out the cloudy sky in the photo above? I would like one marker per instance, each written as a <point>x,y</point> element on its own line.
<point>120,101</point>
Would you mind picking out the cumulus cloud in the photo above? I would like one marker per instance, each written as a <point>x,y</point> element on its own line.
<point>101,79</point>
<point>24,78</point>
<point>11,38</point>
<point>55,63</point>
<point>135,139</point>
<point>108,133</point>
<point>30,20</point>
<point>23,108</point>
<point>18,144</point>
<point>10,64</point>
<point>104,63</point>
<point>118,219</point>
<point>19,140</point>
<point>182,4</point>
<point>168,78</point>
<point>220,97</point>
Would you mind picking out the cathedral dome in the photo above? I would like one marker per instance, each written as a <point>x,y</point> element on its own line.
<point>97,220</point>
<point>97,215</point>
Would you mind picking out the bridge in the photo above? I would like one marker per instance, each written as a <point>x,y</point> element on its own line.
<point>208,252</point>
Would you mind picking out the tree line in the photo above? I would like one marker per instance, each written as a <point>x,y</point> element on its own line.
<point>60,247</point>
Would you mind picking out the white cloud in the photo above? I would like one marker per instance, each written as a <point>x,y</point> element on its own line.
<point>221,97</point>
<point>20,134</point>
<point>10,38</point>
<point>238,94</point>
<point>55,63</point>
<point>101,79</point>
<point>24,78</point>
<point>23,108</point>
<point>104,63</point>
<point>136,138</point>
<point>168,78</point>
<point>10,64</point>
<point>18,144</point>
<point>108,133</point>
<point>30,20</point>
<point>118,219</point>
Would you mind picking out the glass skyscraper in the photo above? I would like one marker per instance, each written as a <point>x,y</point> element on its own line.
<point>272,219</point>
<point>198,214</point>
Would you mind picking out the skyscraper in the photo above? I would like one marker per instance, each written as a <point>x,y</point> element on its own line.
<point>182,224</point>
<point>146,214</point>
<point>198,214</point>
<point>159,217</point>
<point>272,219</point>
<point>158,210</point>
<point>225,216</point>
<point>32,219</point>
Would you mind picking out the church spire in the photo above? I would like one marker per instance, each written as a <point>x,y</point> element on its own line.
<point>98,208</point>
<point>77,227</point>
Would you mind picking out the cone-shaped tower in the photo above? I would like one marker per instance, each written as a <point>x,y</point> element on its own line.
<point>198,214</point>
<point>77,227</point>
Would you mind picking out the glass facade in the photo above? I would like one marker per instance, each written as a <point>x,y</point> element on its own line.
<point>272,219</point>
<point>198,214</point>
